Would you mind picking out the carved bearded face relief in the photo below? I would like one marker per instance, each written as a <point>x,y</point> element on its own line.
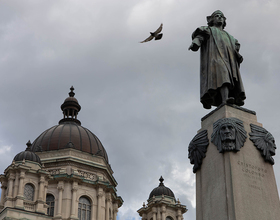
<point>228,134</point>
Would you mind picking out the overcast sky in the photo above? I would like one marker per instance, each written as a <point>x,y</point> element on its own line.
<point>141,100</point>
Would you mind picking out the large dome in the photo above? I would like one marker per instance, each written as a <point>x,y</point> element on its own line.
<point>69,133</point>
<point>161,190</point>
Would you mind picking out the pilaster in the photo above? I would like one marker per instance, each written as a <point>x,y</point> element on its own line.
<point>74,202</point>
<point>60,188</point>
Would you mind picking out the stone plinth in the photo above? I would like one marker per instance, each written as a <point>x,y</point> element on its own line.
<point>235,185</point>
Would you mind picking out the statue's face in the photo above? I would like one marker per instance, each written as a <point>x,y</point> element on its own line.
<point>218,20</point>
<point>227,132</point>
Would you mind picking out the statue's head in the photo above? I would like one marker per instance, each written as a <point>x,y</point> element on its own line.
<point>213,18</point>
<point>228,134</point>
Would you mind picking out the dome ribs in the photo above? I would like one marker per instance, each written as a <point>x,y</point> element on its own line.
<point>89,139</point>
<point>80,136</point>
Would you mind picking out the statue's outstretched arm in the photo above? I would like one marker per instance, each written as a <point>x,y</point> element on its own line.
<point>196,43</point>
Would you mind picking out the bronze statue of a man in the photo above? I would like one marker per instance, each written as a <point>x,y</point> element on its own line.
<point>220,80</point>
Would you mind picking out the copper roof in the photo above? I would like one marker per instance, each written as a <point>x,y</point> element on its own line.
<point>69,133</point>
<point>161,190</point>
<point>28,155</point>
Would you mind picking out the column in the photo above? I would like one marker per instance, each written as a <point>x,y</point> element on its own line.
<point>108,201</point>
<point>60,187</point>
<point>179,214</point>
<point>20,197</point>
<point>3,194</point>
<point>41,187</point>
<point>10,185</point>
<point>20,186</point>
<point>115,211</point>
<point>40,201</point>
<point>74,200</point>
<point>100,194</point>
<point>158,214</point>
<point>15,190</point>
<point>163,212</point>
<point>9,198</point>
<point>154,210</point>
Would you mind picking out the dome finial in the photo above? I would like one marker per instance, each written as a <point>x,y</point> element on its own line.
<point>161,181</point>
<point>28,144</point>
<point>71,94</point>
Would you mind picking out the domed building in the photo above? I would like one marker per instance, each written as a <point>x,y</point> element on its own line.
<point>162,205</point>
<point>64,174</point>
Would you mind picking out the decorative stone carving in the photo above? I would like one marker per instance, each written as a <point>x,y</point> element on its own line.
<point>228,134</point>
<point>87,175</point>
<point>54,171</point>
<point>197,149</point>
<point>264,141</point>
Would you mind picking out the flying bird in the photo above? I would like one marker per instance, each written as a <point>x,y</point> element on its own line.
<point>155,35</point>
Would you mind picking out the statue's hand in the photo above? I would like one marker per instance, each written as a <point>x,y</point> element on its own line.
<point>239,57</point>
<point>194,47</point>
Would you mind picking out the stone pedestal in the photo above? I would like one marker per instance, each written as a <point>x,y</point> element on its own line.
<point>235,185</point>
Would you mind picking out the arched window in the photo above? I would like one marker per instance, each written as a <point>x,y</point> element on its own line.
<point>29,192</point>
<point>84,209</point>
<point>169,218</point>
<point>50,203</point>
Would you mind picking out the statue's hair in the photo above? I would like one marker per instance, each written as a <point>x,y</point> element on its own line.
<point>240,133</point>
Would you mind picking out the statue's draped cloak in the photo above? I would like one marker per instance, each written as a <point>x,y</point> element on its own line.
<point>219,65</point>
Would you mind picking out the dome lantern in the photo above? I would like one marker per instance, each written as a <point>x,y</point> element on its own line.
<point>70,108</point>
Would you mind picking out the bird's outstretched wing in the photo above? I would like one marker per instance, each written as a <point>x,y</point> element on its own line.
<point>158,30</point>
<point>148,39</point>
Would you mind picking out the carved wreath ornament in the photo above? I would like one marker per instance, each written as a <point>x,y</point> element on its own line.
<point>264,142</point>
<point>197,149</point>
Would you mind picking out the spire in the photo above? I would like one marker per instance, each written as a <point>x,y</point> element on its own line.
<point>70,108</point>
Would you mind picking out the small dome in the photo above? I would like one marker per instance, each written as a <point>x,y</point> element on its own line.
<point>161,190</point>
<point>27,155</point>
<point>69,133</point>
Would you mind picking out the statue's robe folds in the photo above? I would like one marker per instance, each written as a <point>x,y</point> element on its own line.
<point>219,65</point>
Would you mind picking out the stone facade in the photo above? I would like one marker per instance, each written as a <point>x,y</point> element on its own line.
<point>64,174</point>
<point>67,175</point>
